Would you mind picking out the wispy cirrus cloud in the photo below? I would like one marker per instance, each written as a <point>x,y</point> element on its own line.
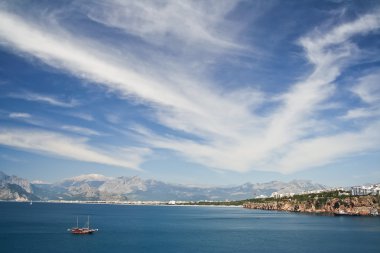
<point>80,130</point>
<point>367,90</point>
<point>288,139</point>
<point>46,123</point>
<point>81,115</point>
<point>30,96</point>
<point>361,113</point>
<point>28,118</point>
<point>199,24</point>
<point>19,115</point>
<point>64,146</point>
<point>86,61</point>
<point>327,149</point>
<point>230,132</point>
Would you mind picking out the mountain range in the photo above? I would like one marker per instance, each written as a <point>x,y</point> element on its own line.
<point>95,187</point>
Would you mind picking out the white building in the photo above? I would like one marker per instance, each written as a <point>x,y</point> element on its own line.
<point>365,190</point>
<point>360,190</point>
<point>261,197</point>
<point>376,190</point>
<point>276,195</point>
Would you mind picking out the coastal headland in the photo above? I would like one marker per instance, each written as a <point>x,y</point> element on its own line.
<point>327,203</point>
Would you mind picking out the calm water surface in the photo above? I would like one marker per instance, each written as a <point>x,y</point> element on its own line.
<point>41,227</point>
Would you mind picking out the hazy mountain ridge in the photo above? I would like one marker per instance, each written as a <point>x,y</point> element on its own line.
<point>99,187</point>
<point>15,188</point>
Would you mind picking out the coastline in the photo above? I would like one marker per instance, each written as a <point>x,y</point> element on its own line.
<point>338,206</point>
<point>331,203</point>
<point>127,203</point>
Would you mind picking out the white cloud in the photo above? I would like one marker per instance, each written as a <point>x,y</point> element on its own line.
<point>80,130</point>
<point>188,22</point>
<point>368,88</point>
<point>68,53</point>
<point>29,119</point>
<point>228,132</point>
<point>19,115</point>
<point>267,144</point>
<point>359,113</point>
<point>64,146</point>
<point>80,115</point>
<point>30,96</point>
<point>324,150</point>
<point>326,48</point>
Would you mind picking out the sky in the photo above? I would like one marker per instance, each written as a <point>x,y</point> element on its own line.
<point>191,92</point>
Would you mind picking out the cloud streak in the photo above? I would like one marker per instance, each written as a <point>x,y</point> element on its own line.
<point>161,21</point>
<point>19,115</point>
<point>59,145</point>
<point>229,131</point>
<point>80,130</point>
<point>30,96</point>
<point>368,89</point>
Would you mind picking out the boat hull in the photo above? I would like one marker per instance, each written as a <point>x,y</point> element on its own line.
<point>82,231</point>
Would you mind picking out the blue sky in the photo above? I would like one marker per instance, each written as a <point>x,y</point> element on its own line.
<point>192,92</point>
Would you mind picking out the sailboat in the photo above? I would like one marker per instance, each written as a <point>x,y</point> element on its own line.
<point>83,230</point>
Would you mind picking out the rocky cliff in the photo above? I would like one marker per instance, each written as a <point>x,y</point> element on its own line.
<point>349,205</point>
<point>15,188</point>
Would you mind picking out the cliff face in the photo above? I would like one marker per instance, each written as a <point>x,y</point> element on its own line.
<point>15,192</point>
<point>15,188</point>
<point>358,205</point>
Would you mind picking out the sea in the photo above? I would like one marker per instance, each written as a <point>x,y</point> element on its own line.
<point>42,227</point>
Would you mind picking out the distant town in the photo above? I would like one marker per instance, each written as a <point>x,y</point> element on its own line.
<point>355,191</point>
<point>373,190</point>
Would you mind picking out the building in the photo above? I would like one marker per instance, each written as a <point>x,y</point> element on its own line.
<point>276,195</point>
<point>365,190</point>
<point>360,190</point>
<point>261,197</point>
<point>376,190</point>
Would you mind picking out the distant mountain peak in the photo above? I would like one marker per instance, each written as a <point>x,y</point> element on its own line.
<point>100,187</point>
<point>89,177</point>
<point>39,182</point>
<point>15,188</point>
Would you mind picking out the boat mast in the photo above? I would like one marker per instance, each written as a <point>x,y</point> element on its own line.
<point>88,222</point>
<point>77,222</point>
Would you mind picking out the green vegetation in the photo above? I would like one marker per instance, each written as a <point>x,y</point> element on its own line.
<point>321,199</point>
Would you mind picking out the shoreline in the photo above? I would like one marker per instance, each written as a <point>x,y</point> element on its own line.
<point>343,206</point>
<point>331,204</point>
<point>247,205</point>
<point>131,203</point>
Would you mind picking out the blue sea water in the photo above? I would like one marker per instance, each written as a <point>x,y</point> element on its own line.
<point>42,227</point>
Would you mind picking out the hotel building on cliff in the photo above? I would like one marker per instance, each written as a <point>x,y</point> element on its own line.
<point>365,190</point>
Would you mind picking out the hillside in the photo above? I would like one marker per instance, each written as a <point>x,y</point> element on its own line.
<point>325,203</point>
<point>15,188</point>
<point>95,187</point>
